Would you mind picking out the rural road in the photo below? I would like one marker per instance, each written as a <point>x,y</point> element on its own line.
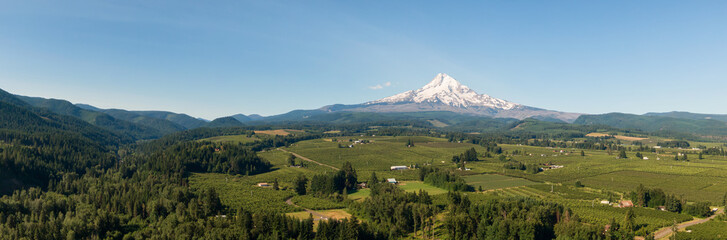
<point>307,159</point>
<point>317,216</point>
<point>666,231</point>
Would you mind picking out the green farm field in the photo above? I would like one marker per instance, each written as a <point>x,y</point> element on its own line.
<point>382,153</point>
<point>415,186</point>
<point>242,191</point>
<point>605,177</point>
<point>493,181</point>
<point>694,180</point>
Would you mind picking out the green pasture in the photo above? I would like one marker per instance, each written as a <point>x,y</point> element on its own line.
<point>694,180</point>
<point>415,186</point>
<point>493,181</point>
<point>382,153</point>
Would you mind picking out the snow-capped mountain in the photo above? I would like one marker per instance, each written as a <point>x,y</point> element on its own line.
<point>445,94</point>
<point>447,90</point>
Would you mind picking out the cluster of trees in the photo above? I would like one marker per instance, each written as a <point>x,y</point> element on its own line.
<point>524,219</point>
<point>442,178</point>
<point>195,156</point>
<point>338,182</point>
<point>674,144</point>
<point>655,197</point>
<point>529,168</point>
<point>397,213</point>
<point>681,156</point>
<point>470,155</point>
<point>714,151</point>
<point>699,209</point>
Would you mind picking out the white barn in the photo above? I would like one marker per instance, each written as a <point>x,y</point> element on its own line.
<point>399,167</point>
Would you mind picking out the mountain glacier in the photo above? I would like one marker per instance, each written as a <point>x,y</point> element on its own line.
<point>446,94</point>
<point>447,90</point>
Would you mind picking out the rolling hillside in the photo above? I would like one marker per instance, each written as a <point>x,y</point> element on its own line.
<point>102,120</point>
<point>657,124</point>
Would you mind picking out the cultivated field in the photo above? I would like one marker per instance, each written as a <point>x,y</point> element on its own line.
<point>415,186</point>
<point>493,181</point>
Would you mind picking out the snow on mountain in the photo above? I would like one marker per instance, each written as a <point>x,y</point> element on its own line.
<point>447,90</point>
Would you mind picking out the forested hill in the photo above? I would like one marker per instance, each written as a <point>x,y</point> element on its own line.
<point>37,145</point>
<point>677,127</point>
<point>183,120</point>
<point>102,120</point>
<point>688,115</point>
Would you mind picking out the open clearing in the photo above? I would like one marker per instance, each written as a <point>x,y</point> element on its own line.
<point>415,186</point>
<point>615,136</point>
<point>279,132</point>
<point>493,181</point>
<point>231,139</point>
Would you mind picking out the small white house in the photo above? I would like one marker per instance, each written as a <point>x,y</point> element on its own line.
<point>391,180</point>
<point>399,167</point>
<point>646,158</point>
<point>605,202</point>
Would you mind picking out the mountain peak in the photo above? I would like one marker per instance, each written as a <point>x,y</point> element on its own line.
<point>446,90</point>
<point>443,80</point>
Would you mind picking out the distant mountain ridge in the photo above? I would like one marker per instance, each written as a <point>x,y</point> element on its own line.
<point>446,94</point>
<point>688,115</point>
<point>656,124</point>
<point>183,120</point>
<point>134,130</point>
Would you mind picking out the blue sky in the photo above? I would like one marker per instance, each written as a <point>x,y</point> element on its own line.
<point>270,57</point>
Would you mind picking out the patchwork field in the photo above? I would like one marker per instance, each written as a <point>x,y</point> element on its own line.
<point>242,191</point>
<point>592,211</point>
<point>382,152</point>
<point>694,180</point>
<point>604,175</point>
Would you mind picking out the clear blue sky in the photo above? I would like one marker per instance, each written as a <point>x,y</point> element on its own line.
<point>270,57</point>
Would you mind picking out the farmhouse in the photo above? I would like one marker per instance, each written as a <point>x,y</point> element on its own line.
<point>391,180</point>
<point>549,167</point>
<point>399,167</point>
<point>624,204</point>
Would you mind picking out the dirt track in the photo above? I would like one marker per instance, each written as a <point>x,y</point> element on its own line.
<point>308,159</point>
<point>665,232</point>
<point>316,215</point>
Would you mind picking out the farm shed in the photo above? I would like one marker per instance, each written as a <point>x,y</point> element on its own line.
<point>626,203</point>
<point>399,167</point>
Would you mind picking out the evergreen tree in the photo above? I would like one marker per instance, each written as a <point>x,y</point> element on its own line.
<point>622,154</point>
<point>373,179</point>
<point>300,184</point>
<point>291,160</point>
<point>409,143</point>
<point>629,221</point>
